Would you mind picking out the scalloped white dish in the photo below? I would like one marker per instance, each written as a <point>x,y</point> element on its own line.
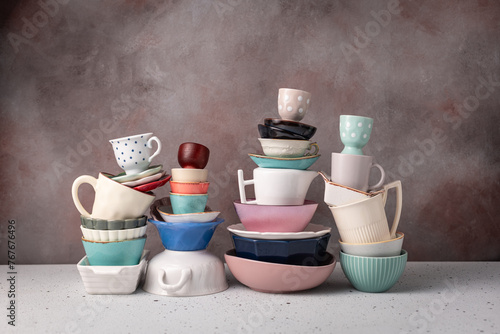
<point>311,231</point>
<point>113,235</point>
<point>198,217</point>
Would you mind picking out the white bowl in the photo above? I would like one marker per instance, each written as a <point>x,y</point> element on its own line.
<point>198,217</point>
<point>112,280</point>
<point>189,175</point>
<point>286,148</point>
<point>113,235</point>
<point>375,249</point>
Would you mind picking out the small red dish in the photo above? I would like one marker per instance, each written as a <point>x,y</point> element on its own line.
<point>153,185</point>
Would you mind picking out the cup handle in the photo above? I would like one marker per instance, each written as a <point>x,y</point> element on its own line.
<point>241,184</point>
<point>316,149</point>
<point>74,191</point>
<point>382,177</point>
<point>399,203</point>
<point>186,275</point>
<point>150,145</point>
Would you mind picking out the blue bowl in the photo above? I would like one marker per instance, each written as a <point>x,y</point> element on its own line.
<point>302,163</point>
<point>306,252</point>
<point>114,253</point>
<point>186,236</point>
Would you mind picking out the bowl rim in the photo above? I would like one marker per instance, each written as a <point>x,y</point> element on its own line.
<point>283,140</point>
<point>179,194</point>
<point>232,253</point>
<point>307,202</point>
<point>400,235</point>
<point>109,242</point>
<point>284,121</point>
<point>404,253</point>
<point>215,222</point>
<point>183,214</point>
<point>191,182</point>
<point>259,156</point>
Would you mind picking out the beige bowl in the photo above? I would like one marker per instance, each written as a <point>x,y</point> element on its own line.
<point>189,175</point>
<point>386,248</point>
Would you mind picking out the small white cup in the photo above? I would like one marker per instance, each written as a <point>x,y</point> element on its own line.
<point>274,186</point>
<point>133,153</point>
<point>354,171</point>
<point>293,103</point>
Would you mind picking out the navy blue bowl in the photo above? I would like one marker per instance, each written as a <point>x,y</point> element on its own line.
<point>305,252</point>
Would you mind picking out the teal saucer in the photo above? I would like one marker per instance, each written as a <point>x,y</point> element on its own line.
<point>285,163</point>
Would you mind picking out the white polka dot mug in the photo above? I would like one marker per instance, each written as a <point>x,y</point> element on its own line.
<point>355,132</point>
<point>293,103</point>
<point>133,153</point>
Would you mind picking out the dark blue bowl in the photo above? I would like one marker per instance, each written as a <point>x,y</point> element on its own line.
<point>305,252</point>
<point>185,236</point>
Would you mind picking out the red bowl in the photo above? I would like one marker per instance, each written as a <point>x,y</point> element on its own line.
<point>189,187</point>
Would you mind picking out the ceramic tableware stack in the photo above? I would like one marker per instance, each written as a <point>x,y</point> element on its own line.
<point>371,254</point>
<point>114,231</point>
<point>275,247</point>
<point>186,225</point>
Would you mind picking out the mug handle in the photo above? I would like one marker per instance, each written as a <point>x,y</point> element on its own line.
<point>241,184</point>
<point>74,191</point>
<point>399,203</point>
<point>382,177</point>
<point>316,149</point>
<point>186,275</point>
<point>150,145</point>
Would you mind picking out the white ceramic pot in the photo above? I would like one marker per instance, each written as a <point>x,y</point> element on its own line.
<point>174,273</point>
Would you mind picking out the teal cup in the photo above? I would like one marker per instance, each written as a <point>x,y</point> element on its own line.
<point>355,132</point>
<point>188,203</point>
<point>373,274</point>
<point>114,253</point>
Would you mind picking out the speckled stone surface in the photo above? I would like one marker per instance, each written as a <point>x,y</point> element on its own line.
<point>75,74</point>
<point>439,297</point>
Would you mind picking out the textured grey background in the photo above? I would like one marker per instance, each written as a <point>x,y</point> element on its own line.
<point>75,74</point>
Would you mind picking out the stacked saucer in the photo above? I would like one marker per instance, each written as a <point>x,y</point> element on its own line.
<point>275,238</point>
<point>186,226</point>
<point>114,232</point>
<point>371,254</point>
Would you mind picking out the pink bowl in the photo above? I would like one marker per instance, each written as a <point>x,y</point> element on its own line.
<point>275,277</point>
<point>189,187</point>
<point>275,218</point>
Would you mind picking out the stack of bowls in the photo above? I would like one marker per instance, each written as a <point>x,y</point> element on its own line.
<point>186,225</point>
<point>371,253</point>
<point>114,231</point>
<point>275,238</point>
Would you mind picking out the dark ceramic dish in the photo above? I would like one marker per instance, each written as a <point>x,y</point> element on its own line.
<point>272,132</point>
<point>305,252</point>
<point>298,128</point>
<point>102,224</point>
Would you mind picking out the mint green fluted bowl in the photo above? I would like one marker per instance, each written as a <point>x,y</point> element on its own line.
<point>373,274</point>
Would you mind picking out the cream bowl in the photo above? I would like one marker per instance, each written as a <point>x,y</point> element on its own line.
<point>189,175</point>
<point>375,249</point>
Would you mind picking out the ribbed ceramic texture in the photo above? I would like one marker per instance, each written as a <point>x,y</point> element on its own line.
<point>373,274</point>
<point>113,235</point>
<point>102,224</point>
<point>375,232</point>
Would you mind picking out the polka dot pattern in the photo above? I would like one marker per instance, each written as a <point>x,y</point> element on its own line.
<point>293,103</point>
<point>132,153</point>
<point>355,132</point>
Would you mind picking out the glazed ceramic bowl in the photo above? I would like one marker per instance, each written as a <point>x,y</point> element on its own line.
<point>276,277</point>
<point>103,224</point>
<point>189,187</point>
<point>193,155</point>
<point>287,148</point>
<point>298,128</point>
<point>113,235</point>
<point>373,274</point>
<point>305,252</point>
<point>114,253</point>
<point>188,203</point>
<point>268,131</point>
<point>112,280</point>
<point>198,217</point>
<point>302,163</point>
<point>275,218</point>
<point>375,249</point>
<point>189,175</point>
<point>186,236</point>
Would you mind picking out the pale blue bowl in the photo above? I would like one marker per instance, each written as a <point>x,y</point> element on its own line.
<point>284,163</point>
<point>373,274</point>
<point>114,253</point>
<point>188,203</point>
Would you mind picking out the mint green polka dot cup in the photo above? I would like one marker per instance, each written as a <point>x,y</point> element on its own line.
<point>355,132</point>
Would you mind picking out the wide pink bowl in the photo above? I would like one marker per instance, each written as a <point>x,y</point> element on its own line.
<point>275,277</point>
<point>275,218</point>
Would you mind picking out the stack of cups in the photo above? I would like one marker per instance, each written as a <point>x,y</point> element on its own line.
<point>371,254</point>
<point>114,231</point>
<point>275,225</point>
<point>186,225</point>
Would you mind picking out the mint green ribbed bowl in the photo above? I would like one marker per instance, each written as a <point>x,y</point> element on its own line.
<point>373,274</point>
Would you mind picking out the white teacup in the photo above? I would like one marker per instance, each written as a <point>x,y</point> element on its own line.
<point>112,199</point>
<point>133,153</point>
<point>354,171</point>
<point>288,148</point>
<point>274,186</point>
<point>365,221</point>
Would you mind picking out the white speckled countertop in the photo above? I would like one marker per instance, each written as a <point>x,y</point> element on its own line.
<point>436,297</point>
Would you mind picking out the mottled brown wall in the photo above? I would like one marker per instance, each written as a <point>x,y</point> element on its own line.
<point>209,71</point>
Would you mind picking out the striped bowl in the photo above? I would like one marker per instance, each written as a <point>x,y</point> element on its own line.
<point>373,274</point>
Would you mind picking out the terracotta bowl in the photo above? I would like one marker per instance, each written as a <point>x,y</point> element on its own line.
<point>189,187</point>
<point>275,277</point>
